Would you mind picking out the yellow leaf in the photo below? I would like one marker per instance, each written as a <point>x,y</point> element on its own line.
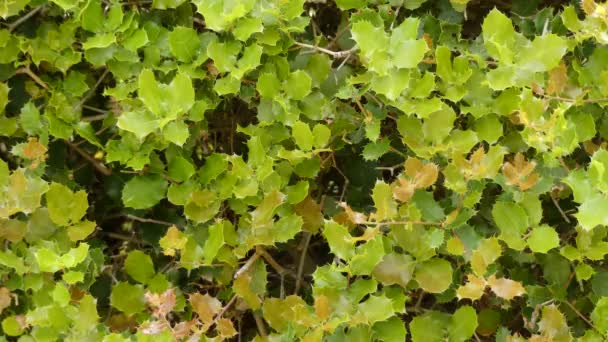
<point>486,253</point>
<point>416,176</point>
<point>473,289</point>
<point>588,6</point>
<point>205,306</point>
<point>553,325</point>
<point>225,328</point>
<point>455,246</point>
<point>173,240</point>
<point>322,307</point>
<point>558,78</point>
<point>505,288</point>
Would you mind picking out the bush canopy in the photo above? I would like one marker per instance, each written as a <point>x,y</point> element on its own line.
<point>284,170</point>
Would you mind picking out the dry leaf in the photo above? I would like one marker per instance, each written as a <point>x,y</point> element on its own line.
<point>34,151</point>
<point>311,214</point>
<point>5,298</point>
<point>161,303</point>
<point>419,176</point>
<point>353,216</point>
<point>183,329</point>
<point>154,328</point>
<point>225,328</point>
<point>558,78</point>
<point>473,289</point>
<point>205,306</point>
<point>505,288</point>
<point>322,307</point>
<point>520,172</point>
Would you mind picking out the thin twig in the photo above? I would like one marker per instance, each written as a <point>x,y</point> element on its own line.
<point>99,166</point>
<point>27,71</point>
<point>92,118</point>
<point>335,54</point>
<point>260,324</point>
<point>570,100</point>
<point>273,263</point>
<point>147,220</point>
<point>21,20</point>
<point>307,238</point>
<point>248,264</point>
<point>583,317</point>
<point>224,309</point>
<point>395,223</point>
<point>118,236</point>
<point>561,211</point>
<point>92,91</point>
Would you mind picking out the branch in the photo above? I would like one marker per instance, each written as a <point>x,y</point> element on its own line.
<point>335,54</point>
<point>307,238</point>
<point>92,91</point>
<point>248,264</point>
<point>99,166</point>
<point>147,220</point>
<point>27,71</point>
<point>395,223</point>
<point>570,100</point>
<point>21,20</point>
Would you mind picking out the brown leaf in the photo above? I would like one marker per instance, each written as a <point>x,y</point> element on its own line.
<point>520,172</point>
<point>225,328</point>
<point>161,303</point>
<point>473,289</point>
<point>35,151</point>
<point>205,306</point>
<point>506,288</point>
<point>183,329</point>
<point>5,298</point>
<point>353,216</point>
<point>416,176</point>
<point>403,190</point>
<point>558,78</point>
<point>322,307</point>
<point>311,214</point>
<point>153,328</point>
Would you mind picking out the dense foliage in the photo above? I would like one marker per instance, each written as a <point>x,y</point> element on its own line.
<point>284,170</point>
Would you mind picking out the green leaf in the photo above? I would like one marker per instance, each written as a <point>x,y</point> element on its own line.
<point>245,27</point>
<point>543,54</point>
<point>429,327</point>
<point>149,91</point>
<point>176,132</point>
<point>128,298</point>
<point>599,316</point>
<point>298,85</point>
<point>302,135</point>
<point>12,326</point>
<point>339,240</point>
<point>375,150</point>
<point>391,330</point>
<point>142,192</point>
<point>386,207</point>
<point>87,314</point>
<point>321,134</point>
<point>165,4</point>
<point>268,86</point>
<point>434,276</point>
<point>99,41</point>
<point>463,324</point>
<point>405,50</point>
<point>593,212</point>
<point>214,242</point>
<point>542,239</point>
<point>180,169</point>
<point>512,221</point>
<point>395,269</point>
<point>65,206</point>
<point>139,266</point>
<point>499,36</point>
<point>184,43</point>
<point>376,309</point>
<point>139,123</point>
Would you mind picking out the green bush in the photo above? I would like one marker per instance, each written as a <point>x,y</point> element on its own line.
<point>282,170</point>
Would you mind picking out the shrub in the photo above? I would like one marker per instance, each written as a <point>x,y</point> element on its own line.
<point>355,170</point>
